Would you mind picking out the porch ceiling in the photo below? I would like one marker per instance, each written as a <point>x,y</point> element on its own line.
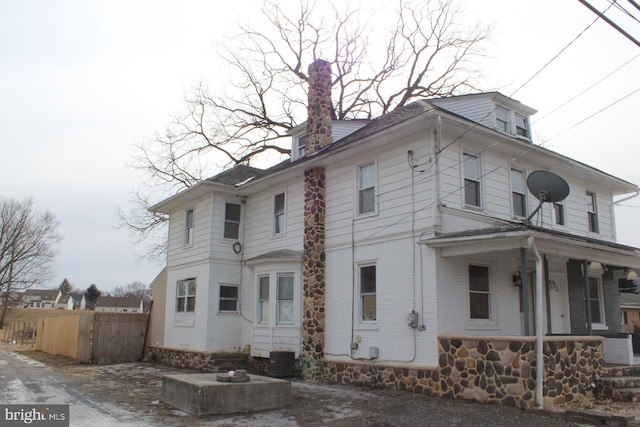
<point>476,242</point>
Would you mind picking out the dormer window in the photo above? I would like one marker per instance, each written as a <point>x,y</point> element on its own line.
<point>301,143</point>
<point>522,125</point>
<point>502,120</point>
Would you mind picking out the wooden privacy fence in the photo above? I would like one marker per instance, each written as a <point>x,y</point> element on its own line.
<point>94,338</point>
<point>21,333</point>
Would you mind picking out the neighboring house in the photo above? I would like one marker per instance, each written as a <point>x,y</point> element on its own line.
<point>389,251</point>
<point>128,304</point>
<point>41,298</point>
<point>630,311</point>
<point>157,314</point>
<point>79,301</point>
<point>65,302</point>
<point>15,299</point>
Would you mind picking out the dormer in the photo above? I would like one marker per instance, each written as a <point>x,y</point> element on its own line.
<point>493,110</point>
<point>339,128</point>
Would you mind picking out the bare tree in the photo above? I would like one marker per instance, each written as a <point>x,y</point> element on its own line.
<point>65,287</point>
<point>27,241</point>
<point>378,64</point>
<point>137,289</point>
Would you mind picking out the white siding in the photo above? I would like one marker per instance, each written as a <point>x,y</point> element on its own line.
<point>179,254</point>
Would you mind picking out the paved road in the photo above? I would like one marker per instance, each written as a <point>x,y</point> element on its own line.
<point>25,381</point>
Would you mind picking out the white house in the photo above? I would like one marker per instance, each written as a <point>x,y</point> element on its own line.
<point>128,304</point>
<point>410,242</point>
<point>65,302</point>
<point>41,298</point>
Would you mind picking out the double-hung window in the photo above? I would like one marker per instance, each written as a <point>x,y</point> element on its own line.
<point>479,293</point>
<point>188,227</point>
<point>366,188</point>
<point>285,299</point>
<point>558,213</point>
<point>231,221</point>
<point>279,213</point>
<point>263,299</point>
<point>471,168</point>
<point>301,145</point>
<point>592,212</point>
<point>186,296</point>
<point>596,301</point>
<point>522,126</point>
<point>518,193</point>
<point>368,293</point>
<point>502,120</point>
<point>228,300</point>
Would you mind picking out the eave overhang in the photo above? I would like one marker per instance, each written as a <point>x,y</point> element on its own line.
<point>477,242</point>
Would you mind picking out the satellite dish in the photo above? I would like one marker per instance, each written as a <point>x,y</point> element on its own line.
<point>546,187</point>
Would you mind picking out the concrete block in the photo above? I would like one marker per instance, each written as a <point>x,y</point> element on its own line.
<point>202,394</point>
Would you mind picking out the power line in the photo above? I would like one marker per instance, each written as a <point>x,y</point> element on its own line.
<point>610,22</point>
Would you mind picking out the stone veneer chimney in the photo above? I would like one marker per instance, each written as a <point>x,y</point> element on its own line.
<point>313,270</point>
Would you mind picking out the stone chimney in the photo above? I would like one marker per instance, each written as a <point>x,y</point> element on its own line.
<point>313,270</point>
<point>319,108</point>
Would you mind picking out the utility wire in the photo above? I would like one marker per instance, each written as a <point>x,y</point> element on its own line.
<point>622,9</point>
<point>635,4</point>
<point>610,22</point>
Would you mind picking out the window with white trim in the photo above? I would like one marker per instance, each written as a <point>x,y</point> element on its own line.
<point>502,120</point>
<point>366,188</point>
<point>231,221</point>
<point>368,288</point>
<point>479,293</point>
<point>228,298</point>
<point>263,299</point>
<point>592,212</point>
<point>284,308</point>
<point>558,213</point>
<point>301,145</point>
<point>522,126</point>
<point>471,168</point>
<point>188,227</point>
<point>596,300</point>
<point>279,213</point>
<point>518,193</point>
<point>186,296</point>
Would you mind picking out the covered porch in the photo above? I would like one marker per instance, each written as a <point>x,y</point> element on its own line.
<point>568,284</point>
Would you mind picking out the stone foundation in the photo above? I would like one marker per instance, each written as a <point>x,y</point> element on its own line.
<point>489,369</point>
<point>206,361</point>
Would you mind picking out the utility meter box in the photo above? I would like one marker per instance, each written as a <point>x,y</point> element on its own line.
<point>373,352</point>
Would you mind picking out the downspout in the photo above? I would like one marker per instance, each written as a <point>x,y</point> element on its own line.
<point>539,342</point>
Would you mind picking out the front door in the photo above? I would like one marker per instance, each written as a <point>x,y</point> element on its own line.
<point>559,304</point>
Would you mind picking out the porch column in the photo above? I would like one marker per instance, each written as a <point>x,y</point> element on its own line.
<point>587,293</point>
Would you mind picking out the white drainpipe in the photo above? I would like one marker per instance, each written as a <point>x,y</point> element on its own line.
<point>540,343</point>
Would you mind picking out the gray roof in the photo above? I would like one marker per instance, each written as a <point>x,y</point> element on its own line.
<point>44,294</point>
<point>121,302</point>
<point>629,299</point>
<point>237,175</point>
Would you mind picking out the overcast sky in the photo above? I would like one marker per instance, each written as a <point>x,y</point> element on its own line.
<point>81,81</point>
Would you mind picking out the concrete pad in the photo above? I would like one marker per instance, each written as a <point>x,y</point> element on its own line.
<point>202,394</point>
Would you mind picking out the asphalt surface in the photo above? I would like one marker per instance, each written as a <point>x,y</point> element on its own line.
<point>97,396</point>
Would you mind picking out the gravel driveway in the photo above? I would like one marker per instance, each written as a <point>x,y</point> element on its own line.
<point>129,394</point>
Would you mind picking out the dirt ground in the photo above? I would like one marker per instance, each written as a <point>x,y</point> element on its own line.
<point>136,387</point>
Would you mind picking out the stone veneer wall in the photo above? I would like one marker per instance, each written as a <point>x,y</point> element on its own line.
<point>499,370</point>
<point>206,361</point>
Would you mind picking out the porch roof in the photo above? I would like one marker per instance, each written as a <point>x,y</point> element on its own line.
<point>550,242</point>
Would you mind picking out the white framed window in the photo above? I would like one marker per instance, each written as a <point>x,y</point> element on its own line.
<point>186,295</point>
<point>188,227</point>
<point>518,193</point>
<point>592,212</point>
<point>284,307</point>
<point>228,298</point>
<point>263,299</point>
<point>301,145</point>
<point>368,290</point>
<point>522,126</point>
<point>596,300</point>
<point>559,213</point>
<point>471,169</point>
<point>279,217</point>
<point>366,188</point>
<point>502,120</point>
<point>480,307</point>
<point>231,221</point>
